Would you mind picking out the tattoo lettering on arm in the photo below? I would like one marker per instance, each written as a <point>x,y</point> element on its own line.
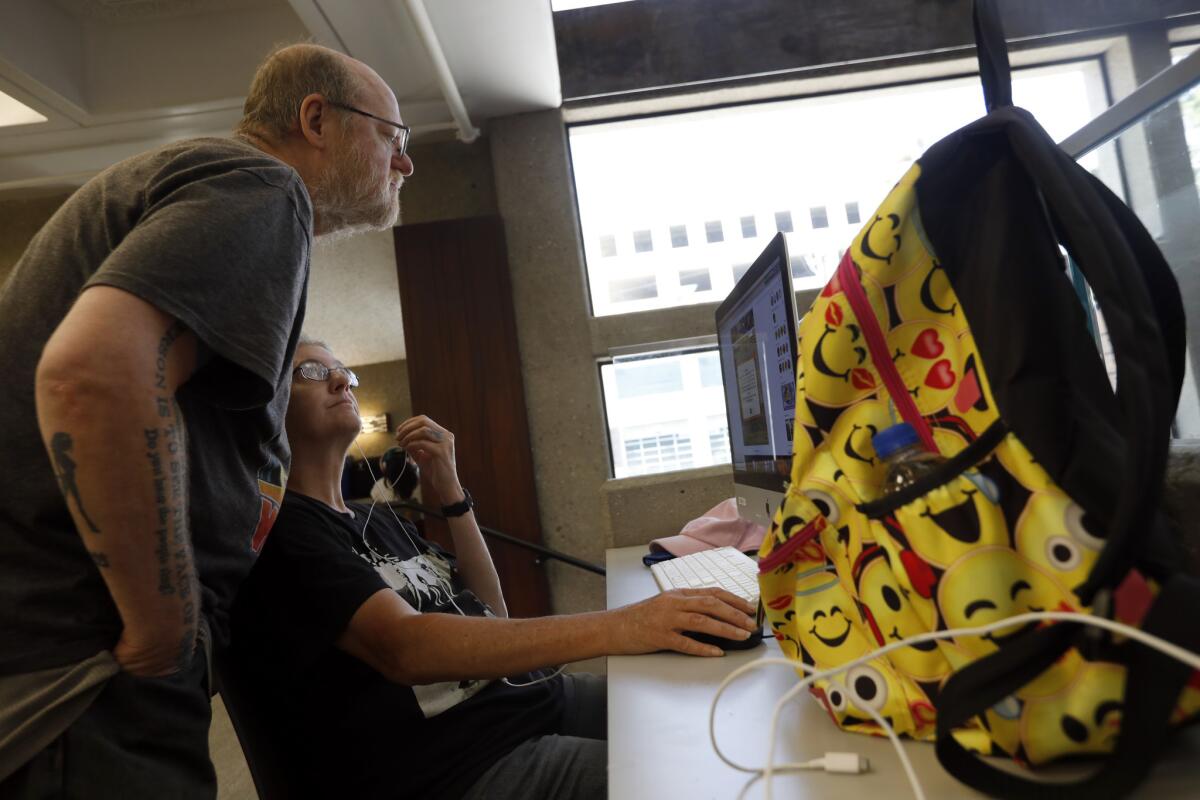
<point>166,451</point>
<point>162,547</point>
<point>60,451</point>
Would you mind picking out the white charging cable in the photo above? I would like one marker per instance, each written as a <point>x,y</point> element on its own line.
<point>1167,648</point>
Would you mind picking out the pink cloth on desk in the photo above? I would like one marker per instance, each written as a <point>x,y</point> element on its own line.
<point>720,526</point>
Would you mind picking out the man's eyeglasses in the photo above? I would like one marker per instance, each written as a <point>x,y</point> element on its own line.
<point>316,371</point>
<point>404,130</point>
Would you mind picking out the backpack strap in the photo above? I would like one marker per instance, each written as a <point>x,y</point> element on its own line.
<point>1152,687</point>
<point>993,55</point>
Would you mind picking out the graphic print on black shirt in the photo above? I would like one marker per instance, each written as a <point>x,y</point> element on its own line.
<point>423,579</point>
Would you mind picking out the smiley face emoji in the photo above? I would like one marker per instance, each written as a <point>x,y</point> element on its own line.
<point>1053,532</point>
<point>926,294</point>
<point>888,246</point>
<point>843,536</point>
<point>899,613</point>
<point>972,401</point>
<point>850,444</point>
<point>926,356</point>
<point>990,584</point>
<point>823,623</point>
<point>1086,718</point>
<point>954,518</point>
<point>873,685</point>
<point>833,350</point>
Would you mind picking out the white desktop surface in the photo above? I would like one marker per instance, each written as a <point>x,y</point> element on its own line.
<point>658,745</point>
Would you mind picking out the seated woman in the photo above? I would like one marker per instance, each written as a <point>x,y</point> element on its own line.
<point>390,667</point>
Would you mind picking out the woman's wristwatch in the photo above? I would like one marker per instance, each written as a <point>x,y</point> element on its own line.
<point>459,508</point>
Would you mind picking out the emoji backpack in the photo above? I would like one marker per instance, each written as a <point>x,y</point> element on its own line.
<point>953,310</point>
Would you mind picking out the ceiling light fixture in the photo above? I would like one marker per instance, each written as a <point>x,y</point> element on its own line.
<point>567,5</point>
<point>14,112</point>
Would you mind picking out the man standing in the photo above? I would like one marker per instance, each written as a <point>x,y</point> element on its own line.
<point>148,336</point>
<point>387,668</point>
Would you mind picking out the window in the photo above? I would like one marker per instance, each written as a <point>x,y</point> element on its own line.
<point>608,246</point>
<point>695,280</point>
<point>820,219</point>
<point>662,410</point>
<point>740,270</point>
<point>749,228</point>
<point>852,217</point>
<point>624,290</point>
<point>658,453</point>
<point>679,236</point>
<point>783,161</point>
<point>643,242</point>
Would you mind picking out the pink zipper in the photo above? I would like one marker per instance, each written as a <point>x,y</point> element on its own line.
<point>880,356</point>
<point>811,531</point>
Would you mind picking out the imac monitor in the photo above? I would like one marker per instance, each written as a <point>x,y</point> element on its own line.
<point>756,338</point>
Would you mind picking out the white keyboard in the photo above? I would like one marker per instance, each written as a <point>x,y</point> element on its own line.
<point>724,568</point>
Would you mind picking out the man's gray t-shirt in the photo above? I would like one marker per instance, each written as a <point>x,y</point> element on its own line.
<point>217,234</point>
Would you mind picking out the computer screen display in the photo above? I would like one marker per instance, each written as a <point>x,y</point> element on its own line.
<point>756,336</point>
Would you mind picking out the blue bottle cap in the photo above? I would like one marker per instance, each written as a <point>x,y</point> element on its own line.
<point>897,437</point>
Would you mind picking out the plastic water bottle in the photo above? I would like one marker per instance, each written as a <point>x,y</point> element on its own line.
<point>907,459</point>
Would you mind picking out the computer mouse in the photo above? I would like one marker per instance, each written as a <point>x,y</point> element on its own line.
<point>727,644</point>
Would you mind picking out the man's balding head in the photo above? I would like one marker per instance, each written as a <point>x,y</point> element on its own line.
<point>290,74</point>
<point>336,122</point>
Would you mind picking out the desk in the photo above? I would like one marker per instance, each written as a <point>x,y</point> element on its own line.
<point>658,744</point>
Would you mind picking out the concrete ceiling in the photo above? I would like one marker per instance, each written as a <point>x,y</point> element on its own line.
<point>116,77</point>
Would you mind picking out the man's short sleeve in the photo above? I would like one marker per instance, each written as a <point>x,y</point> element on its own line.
<point>225,251</point>
<point>304,589</point>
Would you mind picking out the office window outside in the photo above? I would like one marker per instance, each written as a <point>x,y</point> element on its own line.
<point>608,246</point>
<point>783,221</point>
<point>664,412</point>
<point>819,217</point>
<point>628,290</point>
<point>697,280</point>
<point>829,152</point>
<point>852,217</point>
<point>749,228</point>
<point>679,236</point>
<point>643,241</point>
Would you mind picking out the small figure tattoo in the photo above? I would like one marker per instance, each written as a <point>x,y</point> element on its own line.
<point>60,449</point>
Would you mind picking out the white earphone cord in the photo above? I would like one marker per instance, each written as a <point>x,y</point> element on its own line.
<point>1167,648</point>
<point>448,588</point>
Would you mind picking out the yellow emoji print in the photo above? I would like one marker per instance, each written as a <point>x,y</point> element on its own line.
<point>899,613</point>
<point>1052,533</point>
<point>1084,719</point>
<point>990,584</point>
<point>954,519</point>
<point>825,619</point>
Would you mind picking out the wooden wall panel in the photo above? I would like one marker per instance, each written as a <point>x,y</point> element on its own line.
<point>464,371</point>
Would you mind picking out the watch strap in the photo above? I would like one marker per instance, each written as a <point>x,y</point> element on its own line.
<point>459,508</point>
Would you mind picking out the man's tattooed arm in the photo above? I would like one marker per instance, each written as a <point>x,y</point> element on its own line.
<point>115,436</point>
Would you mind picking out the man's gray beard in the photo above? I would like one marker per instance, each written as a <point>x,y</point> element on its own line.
<point>347,200</point>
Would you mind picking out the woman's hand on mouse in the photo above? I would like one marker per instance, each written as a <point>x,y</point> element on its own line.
<point>658,623</point>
